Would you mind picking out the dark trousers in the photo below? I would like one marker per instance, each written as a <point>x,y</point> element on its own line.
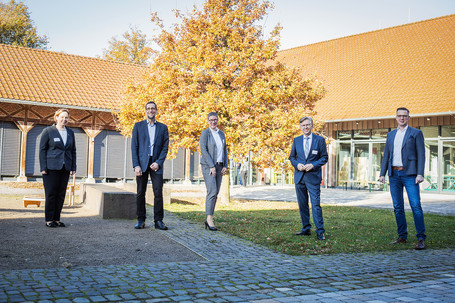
<point>302,189</point>
<point>55,183</point>
<point>157,184</point>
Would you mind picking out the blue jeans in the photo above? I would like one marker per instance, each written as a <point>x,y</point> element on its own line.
<point>302,189</point>
<point>398,180</point>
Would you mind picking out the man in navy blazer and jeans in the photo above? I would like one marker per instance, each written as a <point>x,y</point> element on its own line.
<point>404,160</point>
<point>149,147</point>
<point>308,155</point>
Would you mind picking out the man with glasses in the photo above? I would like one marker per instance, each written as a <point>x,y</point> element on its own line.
<point>149,147</point>
<point>308,155</point>
<point>404,159</point>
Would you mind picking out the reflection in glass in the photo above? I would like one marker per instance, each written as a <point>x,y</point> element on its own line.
<point>380,133</point>
<point>362,134</point>
<point>376,159</point>
<point>448,131</point>
<point>430,131</point>
<point>343,162</point>
<point>344,135</point>
<point>431,165</point>
<point>361,164</point>
<point>448,164</point>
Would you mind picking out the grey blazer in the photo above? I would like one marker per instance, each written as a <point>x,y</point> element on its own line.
<point>209,151</point>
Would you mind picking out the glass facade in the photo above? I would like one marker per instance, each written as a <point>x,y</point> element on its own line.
<point>359,156</point>
<point>448,165</point>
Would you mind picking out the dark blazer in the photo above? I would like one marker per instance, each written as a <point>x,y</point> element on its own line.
<point>208,148</point>
<point>412,152</point>
<point>317,156</point>
<point>53,154</point>
<point>140,145</point>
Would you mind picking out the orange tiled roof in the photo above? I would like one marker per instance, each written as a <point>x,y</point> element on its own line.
<point>56,78</point>
<point>371,74</point>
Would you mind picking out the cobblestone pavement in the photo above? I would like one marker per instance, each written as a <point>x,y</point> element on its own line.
<point>238,271</point>
<point>431,202</point>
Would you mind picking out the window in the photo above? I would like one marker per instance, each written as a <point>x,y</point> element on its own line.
<point>344,135</point>
<point>430,131</point>
<point>448,131</point>
<point>362,134</point>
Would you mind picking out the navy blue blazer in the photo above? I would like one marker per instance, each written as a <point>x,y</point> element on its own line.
<point>140,145</point>
<point>317,156</point>
<point>53,154</point>
<point>412,152</point>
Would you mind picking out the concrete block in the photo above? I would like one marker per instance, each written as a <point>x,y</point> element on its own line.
<point>110,202</point>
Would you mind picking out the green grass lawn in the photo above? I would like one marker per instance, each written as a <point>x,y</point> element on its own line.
<point>348,229</point>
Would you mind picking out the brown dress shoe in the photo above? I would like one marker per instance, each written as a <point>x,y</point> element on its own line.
<point>420,244</point>
<point>398,241</point>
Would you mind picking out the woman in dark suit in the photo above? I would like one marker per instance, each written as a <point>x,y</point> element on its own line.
<point>214,164</point>
<point>57,158</point>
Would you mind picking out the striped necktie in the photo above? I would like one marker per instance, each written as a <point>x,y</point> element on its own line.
<point>307,146</point>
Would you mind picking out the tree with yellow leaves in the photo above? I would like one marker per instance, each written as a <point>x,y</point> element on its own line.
<point>134,48</point>
<point>217,59</point>
<point>16,26</point>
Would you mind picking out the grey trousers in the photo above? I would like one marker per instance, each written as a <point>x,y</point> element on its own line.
<point>213,185</point>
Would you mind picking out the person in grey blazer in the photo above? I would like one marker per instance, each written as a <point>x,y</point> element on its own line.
<point>214,163</point>
<point>57,156</point>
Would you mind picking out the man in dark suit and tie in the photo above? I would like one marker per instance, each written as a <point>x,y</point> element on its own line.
<point>404,160</point>
<point>149,147</point>
<point>308,155</point>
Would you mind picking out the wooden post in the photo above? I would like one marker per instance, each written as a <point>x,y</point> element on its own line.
<point>24,128</point>
<point>92,133</point>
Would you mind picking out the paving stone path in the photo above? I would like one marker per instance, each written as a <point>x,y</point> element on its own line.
<point>238,271</point>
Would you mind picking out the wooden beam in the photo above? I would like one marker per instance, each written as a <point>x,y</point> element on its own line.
<point>24,127</point>
<point>92,133</point>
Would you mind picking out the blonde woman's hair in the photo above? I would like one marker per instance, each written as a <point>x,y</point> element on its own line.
<point>58,112</point>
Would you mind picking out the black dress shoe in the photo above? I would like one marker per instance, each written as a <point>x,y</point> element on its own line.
<point>303,233</point>
<point>420,244</point>
<point>398,241</point>
<point>321,237</point>
<point>160,225</point>
<point>51,224</point>
<point>212,228</point>
<point>59,224</point>
<point>140,225</point>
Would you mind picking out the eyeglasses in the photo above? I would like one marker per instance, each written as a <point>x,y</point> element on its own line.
<point>213,120</point>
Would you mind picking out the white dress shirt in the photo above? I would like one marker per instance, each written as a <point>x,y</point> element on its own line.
<point>63,134</point>
<point>151,129</point>
<point>219,145</point>
<point>397,146</point>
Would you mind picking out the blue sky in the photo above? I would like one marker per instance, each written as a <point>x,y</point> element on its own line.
<point>84,27</point>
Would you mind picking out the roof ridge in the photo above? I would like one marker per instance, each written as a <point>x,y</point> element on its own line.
<point>369,32</point>
<point>70,55</point>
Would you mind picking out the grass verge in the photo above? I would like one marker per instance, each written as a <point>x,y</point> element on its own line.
<point>348,229</point>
